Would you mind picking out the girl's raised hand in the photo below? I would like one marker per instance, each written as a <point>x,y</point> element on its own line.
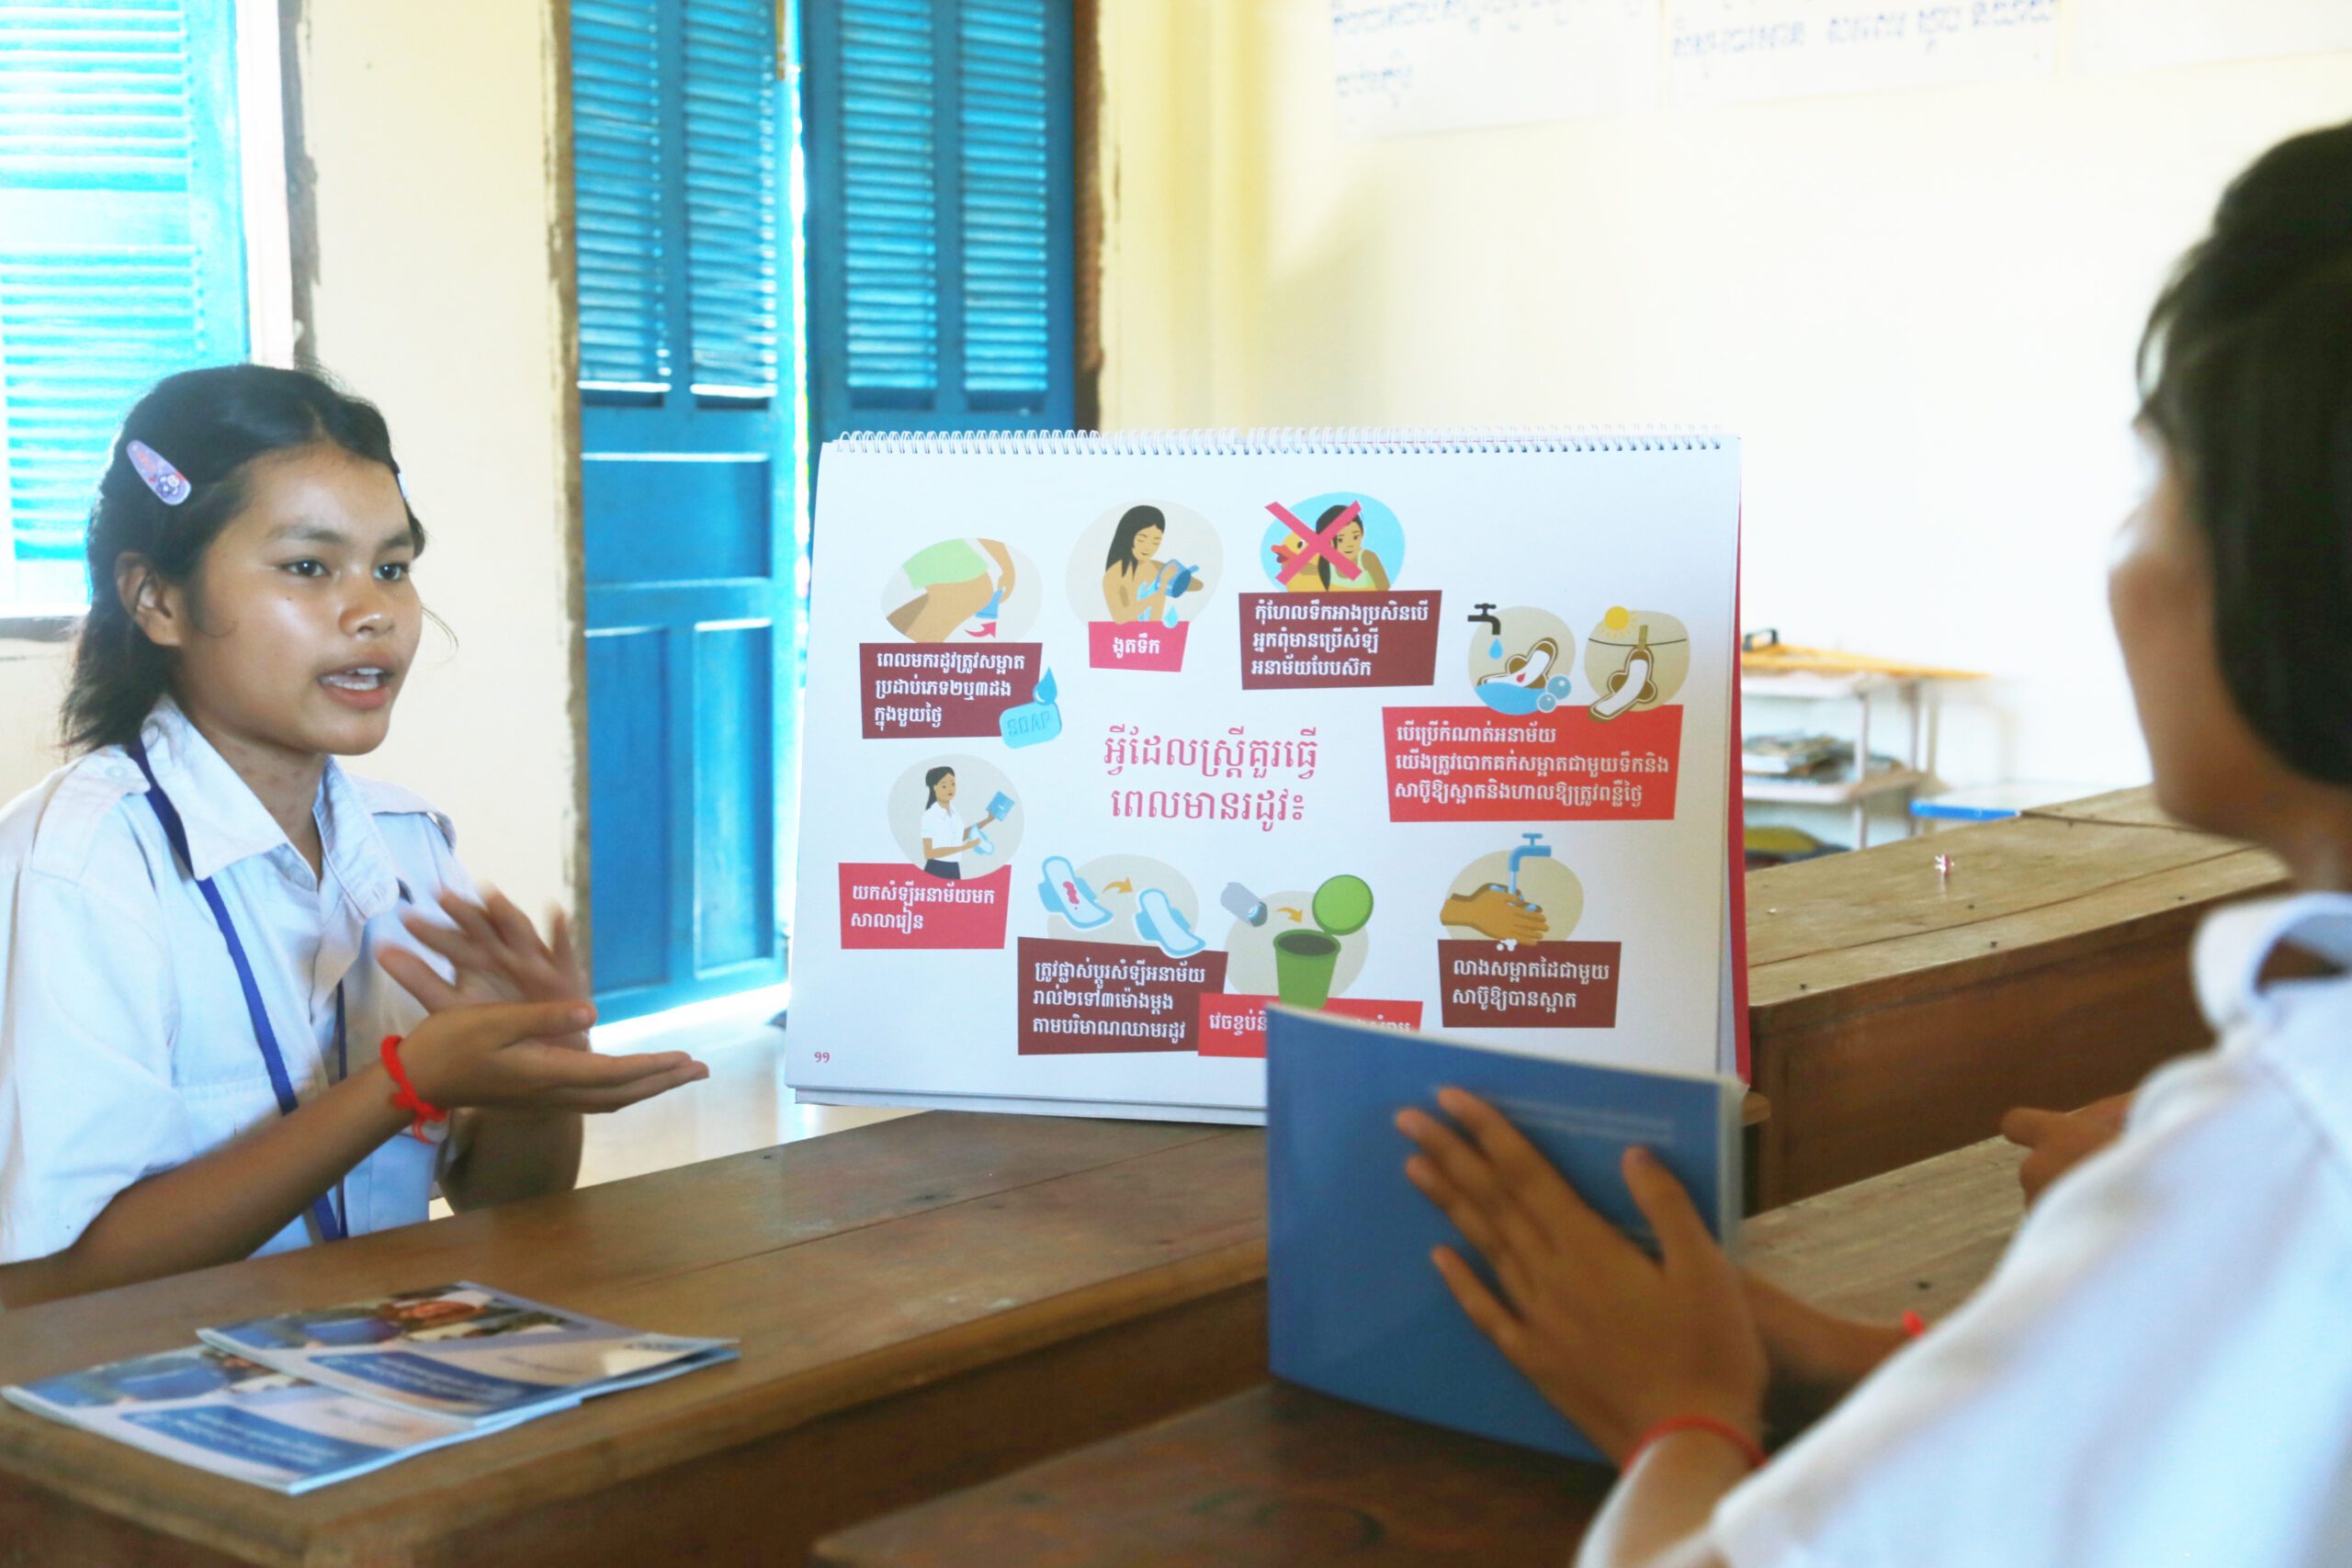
<point>498,956</point>
<point>1617,1340</point>
<point>500,1056</point>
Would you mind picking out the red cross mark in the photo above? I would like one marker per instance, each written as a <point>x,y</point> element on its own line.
<point>1313,545</point>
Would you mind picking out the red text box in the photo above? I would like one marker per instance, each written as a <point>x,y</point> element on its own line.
<point>896,906</point>
<point>1136,644</point>
<point>1235,1025</point>
<point>1478,765</point>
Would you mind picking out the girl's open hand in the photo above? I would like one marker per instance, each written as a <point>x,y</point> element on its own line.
<point>500,1056</point>
<point>1616,1339</point>
<point>498,956</point>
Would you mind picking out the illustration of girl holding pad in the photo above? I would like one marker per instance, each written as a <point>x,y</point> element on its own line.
<point>944,834</point>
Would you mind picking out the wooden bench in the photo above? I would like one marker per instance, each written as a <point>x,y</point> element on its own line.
<point>922,1305</point>
<point>1283,1478</point>
<point>1894,1013</point>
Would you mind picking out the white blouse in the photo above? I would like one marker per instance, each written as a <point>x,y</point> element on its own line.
<point>2158,1371</point>
<point>125,1045</point>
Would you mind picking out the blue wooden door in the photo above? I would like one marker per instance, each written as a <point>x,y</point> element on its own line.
<point>687,490</point>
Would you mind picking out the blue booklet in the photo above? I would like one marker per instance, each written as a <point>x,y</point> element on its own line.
<point>1357,1309</point>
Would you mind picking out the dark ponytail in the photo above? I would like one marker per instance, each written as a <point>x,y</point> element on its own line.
<point>209,424</point>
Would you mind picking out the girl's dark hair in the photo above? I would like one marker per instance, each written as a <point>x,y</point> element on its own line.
<point>931,782</point>
<point>1122,538</point>
<point>1323,563</point>
<point>2246,375</point>
<point>209,424</point>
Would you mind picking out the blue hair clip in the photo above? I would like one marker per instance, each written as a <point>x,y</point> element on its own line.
<point>171,486</point>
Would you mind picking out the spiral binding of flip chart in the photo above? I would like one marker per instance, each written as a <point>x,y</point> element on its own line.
<point>1286,441</point>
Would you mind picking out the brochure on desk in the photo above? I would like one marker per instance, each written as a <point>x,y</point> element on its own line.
<point>462,1350</point>
<point>1355,1307</point>
<point>235,1417</point>
<point>298,1399</point>
<point>1110,742</point>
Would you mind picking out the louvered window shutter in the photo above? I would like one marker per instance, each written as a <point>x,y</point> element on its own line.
<point>675,174</point>
<point>121,248</point>
<point>617,168</point>
<point>940,214</point>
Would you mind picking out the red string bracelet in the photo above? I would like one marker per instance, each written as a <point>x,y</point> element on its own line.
<point>407,1099</point>
<point>1673,1424</point>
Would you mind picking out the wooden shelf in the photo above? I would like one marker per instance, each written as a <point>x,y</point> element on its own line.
<point>1828,792</point>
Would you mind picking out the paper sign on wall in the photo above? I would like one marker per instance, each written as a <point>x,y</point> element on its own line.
<point>1721,51</point>
<point>1403,66</point>
<point>1110,744</point>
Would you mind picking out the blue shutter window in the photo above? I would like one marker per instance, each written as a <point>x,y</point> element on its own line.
<point>942,217</point>
<point>890,214</point>
<point>121,254</point>
<point>731,85</point>
<point>1007,186</point>
<point>617,189</point>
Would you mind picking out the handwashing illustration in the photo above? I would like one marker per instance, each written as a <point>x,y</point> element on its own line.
<point>1635,658</point>
<point>1520,665</point>
<point>1520,895</point>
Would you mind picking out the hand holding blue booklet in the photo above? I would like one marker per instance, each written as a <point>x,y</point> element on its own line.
<point>1357,1309</point>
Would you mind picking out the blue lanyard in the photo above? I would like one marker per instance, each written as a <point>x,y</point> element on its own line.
<point>323,1214</point>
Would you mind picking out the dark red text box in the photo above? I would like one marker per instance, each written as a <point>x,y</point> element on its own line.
<point>1543,985</point>
<point>1104,996</point>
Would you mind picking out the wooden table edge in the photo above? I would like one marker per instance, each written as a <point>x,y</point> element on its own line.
<point>417,1519</point>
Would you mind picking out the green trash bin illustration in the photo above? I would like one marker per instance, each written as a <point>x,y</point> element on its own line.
<point>1305,960</point>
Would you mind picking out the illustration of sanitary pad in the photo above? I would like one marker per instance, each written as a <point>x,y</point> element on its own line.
<point>1066,894</point>
<point>1000,808</point>
<point>1035,722</point>
<point>1243,904</point>
<point>1160,924</point>
<point>1636,685</point>
<point>1530,669</point>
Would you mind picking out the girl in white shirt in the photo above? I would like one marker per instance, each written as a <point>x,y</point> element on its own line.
<point>2156,1374</point>
<point>211,931</point>
<point>945,837</point>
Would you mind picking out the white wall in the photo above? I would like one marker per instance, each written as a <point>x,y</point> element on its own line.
<point>1918,311</point>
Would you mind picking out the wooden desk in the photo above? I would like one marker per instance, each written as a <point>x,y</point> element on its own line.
<point>1894,1014</point>
<point>923,1304</point>
<point>1278,1476</point>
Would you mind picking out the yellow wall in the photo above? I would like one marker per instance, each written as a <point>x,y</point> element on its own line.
<point>1917,309</point>
<point>437,132</point>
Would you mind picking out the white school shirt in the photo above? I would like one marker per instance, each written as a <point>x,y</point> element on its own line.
<point>2160,1371</point>
<point>125,1045</point>
<point>944,830</point>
